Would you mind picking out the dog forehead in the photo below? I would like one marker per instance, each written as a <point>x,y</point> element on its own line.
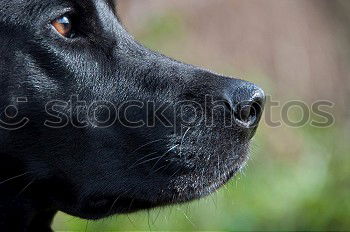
<point>20,10</point>
<point>12,5</point>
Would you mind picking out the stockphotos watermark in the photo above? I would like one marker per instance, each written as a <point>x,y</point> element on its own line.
<point>136,114</point>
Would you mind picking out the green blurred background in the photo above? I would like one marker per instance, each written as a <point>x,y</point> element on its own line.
<point>297,178</point>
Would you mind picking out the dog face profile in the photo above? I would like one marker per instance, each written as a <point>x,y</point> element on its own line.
<point>94,124</point>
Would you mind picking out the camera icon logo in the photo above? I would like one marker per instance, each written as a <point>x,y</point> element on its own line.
<point>10,119</point>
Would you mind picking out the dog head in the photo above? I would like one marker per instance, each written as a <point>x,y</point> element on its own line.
<point>110,126</point>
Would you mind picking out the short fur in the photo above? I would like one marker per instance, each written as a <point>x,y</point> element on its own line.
<point>92,172</point>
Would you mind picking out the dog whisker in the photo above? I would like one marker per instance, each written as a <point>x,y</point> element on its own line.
<point>162,156</point>
<point>87,226</point>
<point>13,178</point>
<point>142,158</point>
<point>188,219</point>
<point>155,171</point>
<point>148,220</point>
<point>182,140</point>
<point>115,202</point>
<point>146,161</point>
<point>26,187</point>
<point>145,145</point>
<point>155,220</point>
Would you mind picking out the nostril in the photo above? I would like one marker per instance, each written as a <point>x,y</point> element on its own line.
<point>242,113</point>
<point>245,102</point>
<point>248,113</point>
<point>228,106</point>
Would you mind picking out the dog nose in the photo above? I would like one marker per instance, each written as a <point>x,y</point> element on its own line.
<point>246,103</point>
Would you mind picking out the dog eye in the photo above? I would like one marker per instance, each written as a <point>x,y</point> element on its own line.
<point>64,26</point>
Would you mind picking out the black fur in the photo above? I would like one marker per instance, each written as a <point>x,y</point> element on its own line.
<point>93,172</point>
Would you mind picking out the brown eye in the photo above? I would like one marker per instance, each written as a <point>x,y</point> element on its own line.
<point>64,26</point>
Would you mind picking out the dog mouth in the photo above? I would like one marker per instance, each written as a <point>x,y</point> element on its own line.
<point>161,190</point>
<point>165,172</point>
<point>182,189</point>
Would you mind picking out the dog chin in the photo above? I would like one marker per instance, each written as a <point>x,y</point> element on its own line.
<point>193,187</point>
<point>181,189</point>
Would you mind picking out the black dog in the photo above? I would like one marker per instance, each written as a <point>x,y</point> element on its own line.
<point>94,124</point>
